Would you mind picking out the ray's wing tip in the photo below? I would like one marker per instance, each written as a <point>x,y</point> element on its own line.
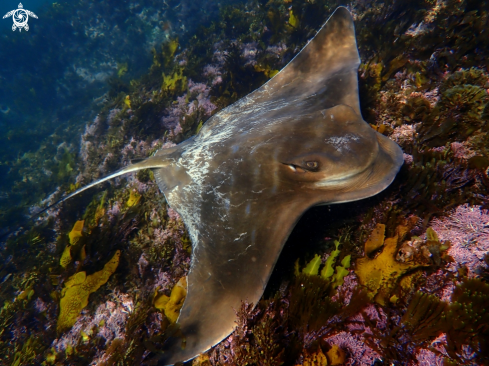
<point>341,12</point>
<point>392,160</point>
<point>175,355</point>
<point>391,148</point>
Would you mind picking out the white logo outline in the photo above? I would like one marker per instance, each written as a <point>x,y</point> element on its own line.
<point>20,17</point>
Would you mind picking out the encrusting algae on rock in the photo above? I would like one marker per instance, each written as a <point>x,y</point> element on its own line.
<point>74,296</point>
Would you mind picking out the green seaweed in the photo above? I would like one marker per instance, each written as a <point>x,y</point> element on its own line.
<point>328,269</point>
<point>28,352</point>
<point>468,320</point>
<point>330,273</point>
<point>462,110</point>
<point>425,317</point>
<point>436,182</point>
<point>312,268</point>
<point>416,109</point>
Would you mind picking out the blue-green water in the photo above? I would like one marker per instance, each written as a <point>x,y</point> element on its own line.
<point>56,76</point>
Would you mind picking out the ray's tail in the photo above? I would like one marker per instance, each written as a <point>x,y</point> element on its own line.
<point>153,162</point>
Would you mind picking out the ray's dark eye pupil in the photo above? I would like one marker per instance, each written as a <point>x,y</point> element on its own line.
<point>312,164</point>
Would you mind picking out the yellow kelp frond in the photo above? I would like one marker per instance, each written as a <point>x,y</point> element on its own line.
<point>76,233</point>
<point>376,239</point>
<point>336,355</point>
<point>315,358</point>
<point>341,271</point>
<point>122,69</point>
<point>266,69</point>
<point>171,305</point>
<point>172,47</point>
<point>134,198</point>
<point>66,257</point>
<point>174,82</point>
<point>201,360</point>
<point>27,354</point>
<point>127,101</point>
<point>293,19</point>
<point>74,296</point>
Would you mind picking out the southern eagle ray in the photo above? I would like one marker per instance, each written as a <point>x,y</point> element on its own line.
<point>242,183</point>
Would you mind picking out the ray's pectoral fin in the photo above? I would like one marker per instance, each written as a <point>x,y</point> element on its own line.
<point>228,270</point>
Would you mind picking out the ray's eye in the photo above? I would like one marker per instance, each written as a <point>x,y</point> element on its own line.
<point>312,166</point>
<point>305,166</point>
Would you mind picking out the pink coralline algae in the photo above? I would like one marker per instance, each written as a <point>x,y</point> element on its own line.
<point>114,211</point>
<point>142,264</point>
<point>371,314</point>
<point>40,305</point>
<point>109,161</point>
<point>197,98</point>
<point>404,134</point>
<point>439,284</point>
<point>219,55</point>
<point>163,280</point>
<point>277,50</point>
<point>408,159</point>
<point>429,358</point>
<point>89,150</point>
<point>358,353</point>
<point>91,130</point>
<point>214,73</point>
<point>345,291</point>
<point>249,51</point>
<point>137,149</point>
<point>112,114</point>
<point>172,214</point>
<point>467,229</point>
<point>52,212</point>
<point>200,92</point>
<point>461,150</point>
<point>431,96</point>
<point>134,183</point>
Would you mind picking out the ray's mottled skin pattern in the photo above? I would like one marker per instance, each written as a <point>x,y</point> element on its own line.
<point>245,179</point>
<point>256,166</point>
